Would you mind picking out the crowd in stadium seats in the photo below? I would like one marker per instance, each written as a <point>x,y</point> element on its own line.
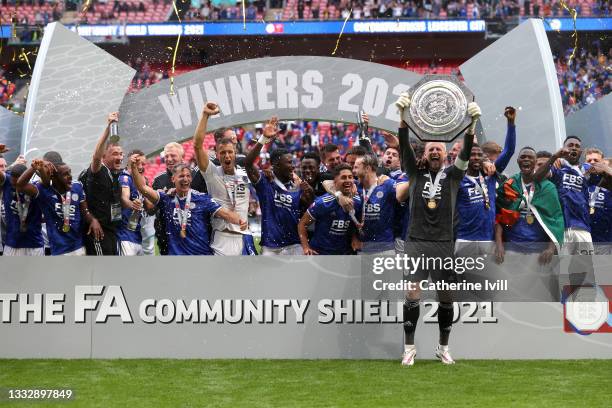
<point>145,75</point>
<point>204,10</point>
<point>37,12</point>
<point>584,80</point>
<point>41,12</point>
<point>141,11</point>
<point>367,9</point>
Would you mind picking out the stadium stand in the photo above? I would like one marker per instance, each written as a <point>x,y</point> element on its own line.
<point>145,11</point>
<point>39,13</point>
<point>367,9</point>
<point>205,11</point>
<point>584,80</point>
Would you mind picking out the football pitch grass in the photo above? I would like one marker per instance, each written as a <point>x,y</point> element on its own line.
<point>313,383</point>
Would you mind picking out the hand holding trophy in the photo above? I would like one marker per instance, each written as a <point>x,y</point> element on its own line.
<point>113,127</point>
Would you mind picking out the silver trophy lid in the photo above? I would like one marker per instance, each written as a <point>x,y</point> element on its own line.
<point>438,108</point>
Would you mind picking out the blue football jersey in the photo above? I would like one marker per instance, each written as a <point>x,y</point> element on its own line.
<point>333,225</point>
<point>378,214</point>
<point>476,222</point>
<point>123,233</point>
<point>601,219</point>
<point>50,202</point>
<point>197,241</point>
<point>524,237</point>
<point>32,236</point>
<point>572,187</point>
<point>280,213</point>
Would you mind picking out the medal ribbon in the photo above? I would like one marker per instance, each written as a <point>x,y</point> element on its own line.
<point>528,195</point>
<point>231,186</point>
<point>66,201</point>
<point>183,214</point>
<point>481,186</point>
<point>366,198</point>
<point>433,187</point>
<point>22,209</point>
<point>593,197</point>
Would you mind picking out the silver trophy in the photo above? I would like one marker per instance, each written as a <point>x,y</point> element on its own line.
<point>438,108</point>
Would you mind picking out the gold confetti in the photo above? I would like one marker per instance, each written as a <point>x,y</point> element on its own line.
<point>342,31</point>
<point>178,40</point>
<point>574,14</point>
<point>25,58</point>
<point>83,12</point>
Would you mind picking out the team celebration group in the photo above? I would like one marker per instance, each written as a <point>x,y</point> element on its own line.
<point>418,199</point>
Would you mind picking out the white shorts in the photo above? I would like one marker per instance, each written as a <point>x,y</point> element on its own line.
<point>77,252</point>
<point>577,242</point>
<point>295,249</point>
<point>389,252</point>
<point>400,246</point>
<point>226,243</point>
<point>473,248</point>
<point>147,230</point>
<point>10,251</point>
<point>130,249</point>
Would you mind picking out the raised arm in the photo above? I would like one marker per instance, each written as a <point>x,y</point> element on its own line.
<point>210,109</point>
<point>401,191</point>
<point>463,157</point>
<point>96,161</point>
<point>605,171</point>
<point>232,217</point>
<point>544,171</point>
<point>407,155</point>
<point>510,143</point>
<point>23,183</point>
<point>140,183</point>
<point>269,134</point>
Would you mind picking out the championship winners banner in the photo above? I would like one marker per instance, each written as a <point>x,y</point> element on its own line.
<point>262,307</point>
<point>251,91</point>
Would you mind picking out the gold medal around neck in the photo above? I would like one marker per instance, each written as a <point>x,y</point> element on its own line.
<point>431,204</point>
<point>66,228</point>
<point>183,233</point>
<point>592,210</point>
<point>530,219</point>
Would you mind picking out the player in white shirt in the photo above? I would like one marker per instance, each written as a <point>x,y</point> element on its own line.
<point>228,185</point>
